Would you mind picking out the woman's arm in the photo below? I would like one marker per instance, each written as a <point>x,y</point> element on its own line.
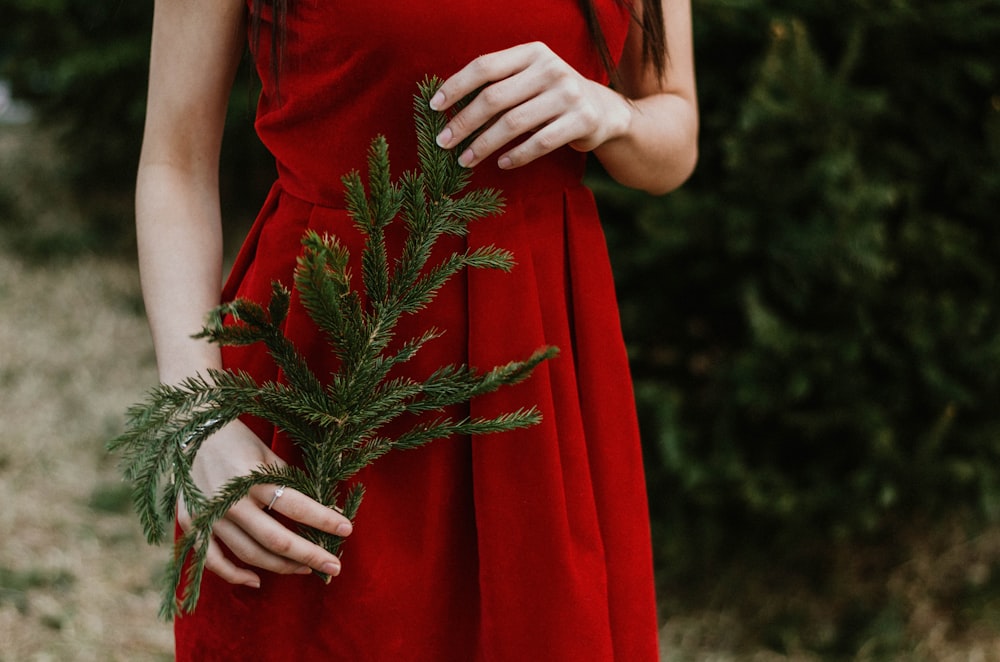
<point>658,149</point>
<point>645,135</point>
<point>196,47</point>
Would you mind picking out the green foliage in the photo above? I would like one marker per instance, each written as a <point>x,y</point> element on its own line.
<point>83,67</point>
<point>337,425</point>
<point>812,319</point>
<point>15,584</point>
<point>113,498</point>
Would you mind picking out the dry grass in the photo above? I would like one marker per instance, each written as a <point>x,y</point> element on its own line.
<point>76,580</point>
<point>927,593</point>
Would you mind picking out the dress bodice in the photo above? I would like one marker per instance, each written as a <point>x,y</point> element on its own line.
<point>349,71</point>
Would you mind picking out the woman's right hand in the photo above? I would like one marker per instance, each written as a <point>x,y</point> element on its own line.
<point>248,530</point>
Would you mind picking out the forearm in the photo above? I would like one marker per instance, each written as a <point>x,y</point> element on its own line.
<point>195,50</point>
<point>657,147</point>
<point>179,237</point>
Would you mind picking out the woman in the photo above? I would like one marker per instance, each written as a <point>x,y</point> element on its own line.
<point>530,545</point>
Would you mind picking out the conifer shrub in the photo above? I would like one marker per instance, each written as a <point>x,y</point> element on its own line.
<point>813,319</point>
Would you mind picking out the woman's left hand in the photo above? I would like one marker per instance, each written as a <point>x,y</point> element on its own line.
<point>528,89</point>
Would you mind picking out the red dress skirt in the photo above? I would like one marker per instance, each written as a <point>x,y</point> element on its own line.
<point>527,545</point>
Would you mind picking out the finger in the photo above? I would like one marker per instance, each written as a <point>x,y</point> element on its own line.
<point>247,550</point>
<point>525,118</point>
<point>560,132</point>
<point>300,508</point>
<point>504,96</point>
<point>216,561</point>
<point>276,539</point>
<point>485,69</point>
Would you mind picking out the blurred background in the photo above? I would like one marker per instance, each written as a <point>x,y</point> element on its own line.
<point>812,321</point>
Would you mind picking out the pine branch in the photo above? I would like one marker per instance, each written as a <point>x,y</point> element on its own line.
<point>339,426</point>
<point>453,384</point>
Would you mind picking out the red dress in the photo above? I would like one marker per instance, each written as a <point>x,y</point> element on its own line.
<point>528,545</point>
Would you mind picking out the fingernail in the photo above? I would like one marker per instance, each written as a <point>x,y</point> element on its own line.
<point>304,570</point>
<point>505,163</point>
<point>466,159</point>
<point>444,138</point>
<point>331,568</point>
<point>252,583</point>
<point>344,529</point>
<point>436,101</point>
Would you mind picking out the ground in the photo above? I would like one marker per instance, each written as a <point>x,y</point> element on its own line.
<point>76,579</point>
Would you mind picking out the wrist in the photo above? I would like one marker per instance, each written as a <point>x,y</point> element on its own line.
<point>612,122</point>
<point>184,362</point>
<point>619,112</point>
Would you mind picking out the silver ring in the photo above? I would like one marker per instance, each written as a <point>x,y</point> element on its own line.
<point>277,493</point>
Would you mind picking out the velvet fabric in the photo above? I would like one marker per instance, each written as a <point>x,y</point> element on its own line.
<point>528,545</point>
